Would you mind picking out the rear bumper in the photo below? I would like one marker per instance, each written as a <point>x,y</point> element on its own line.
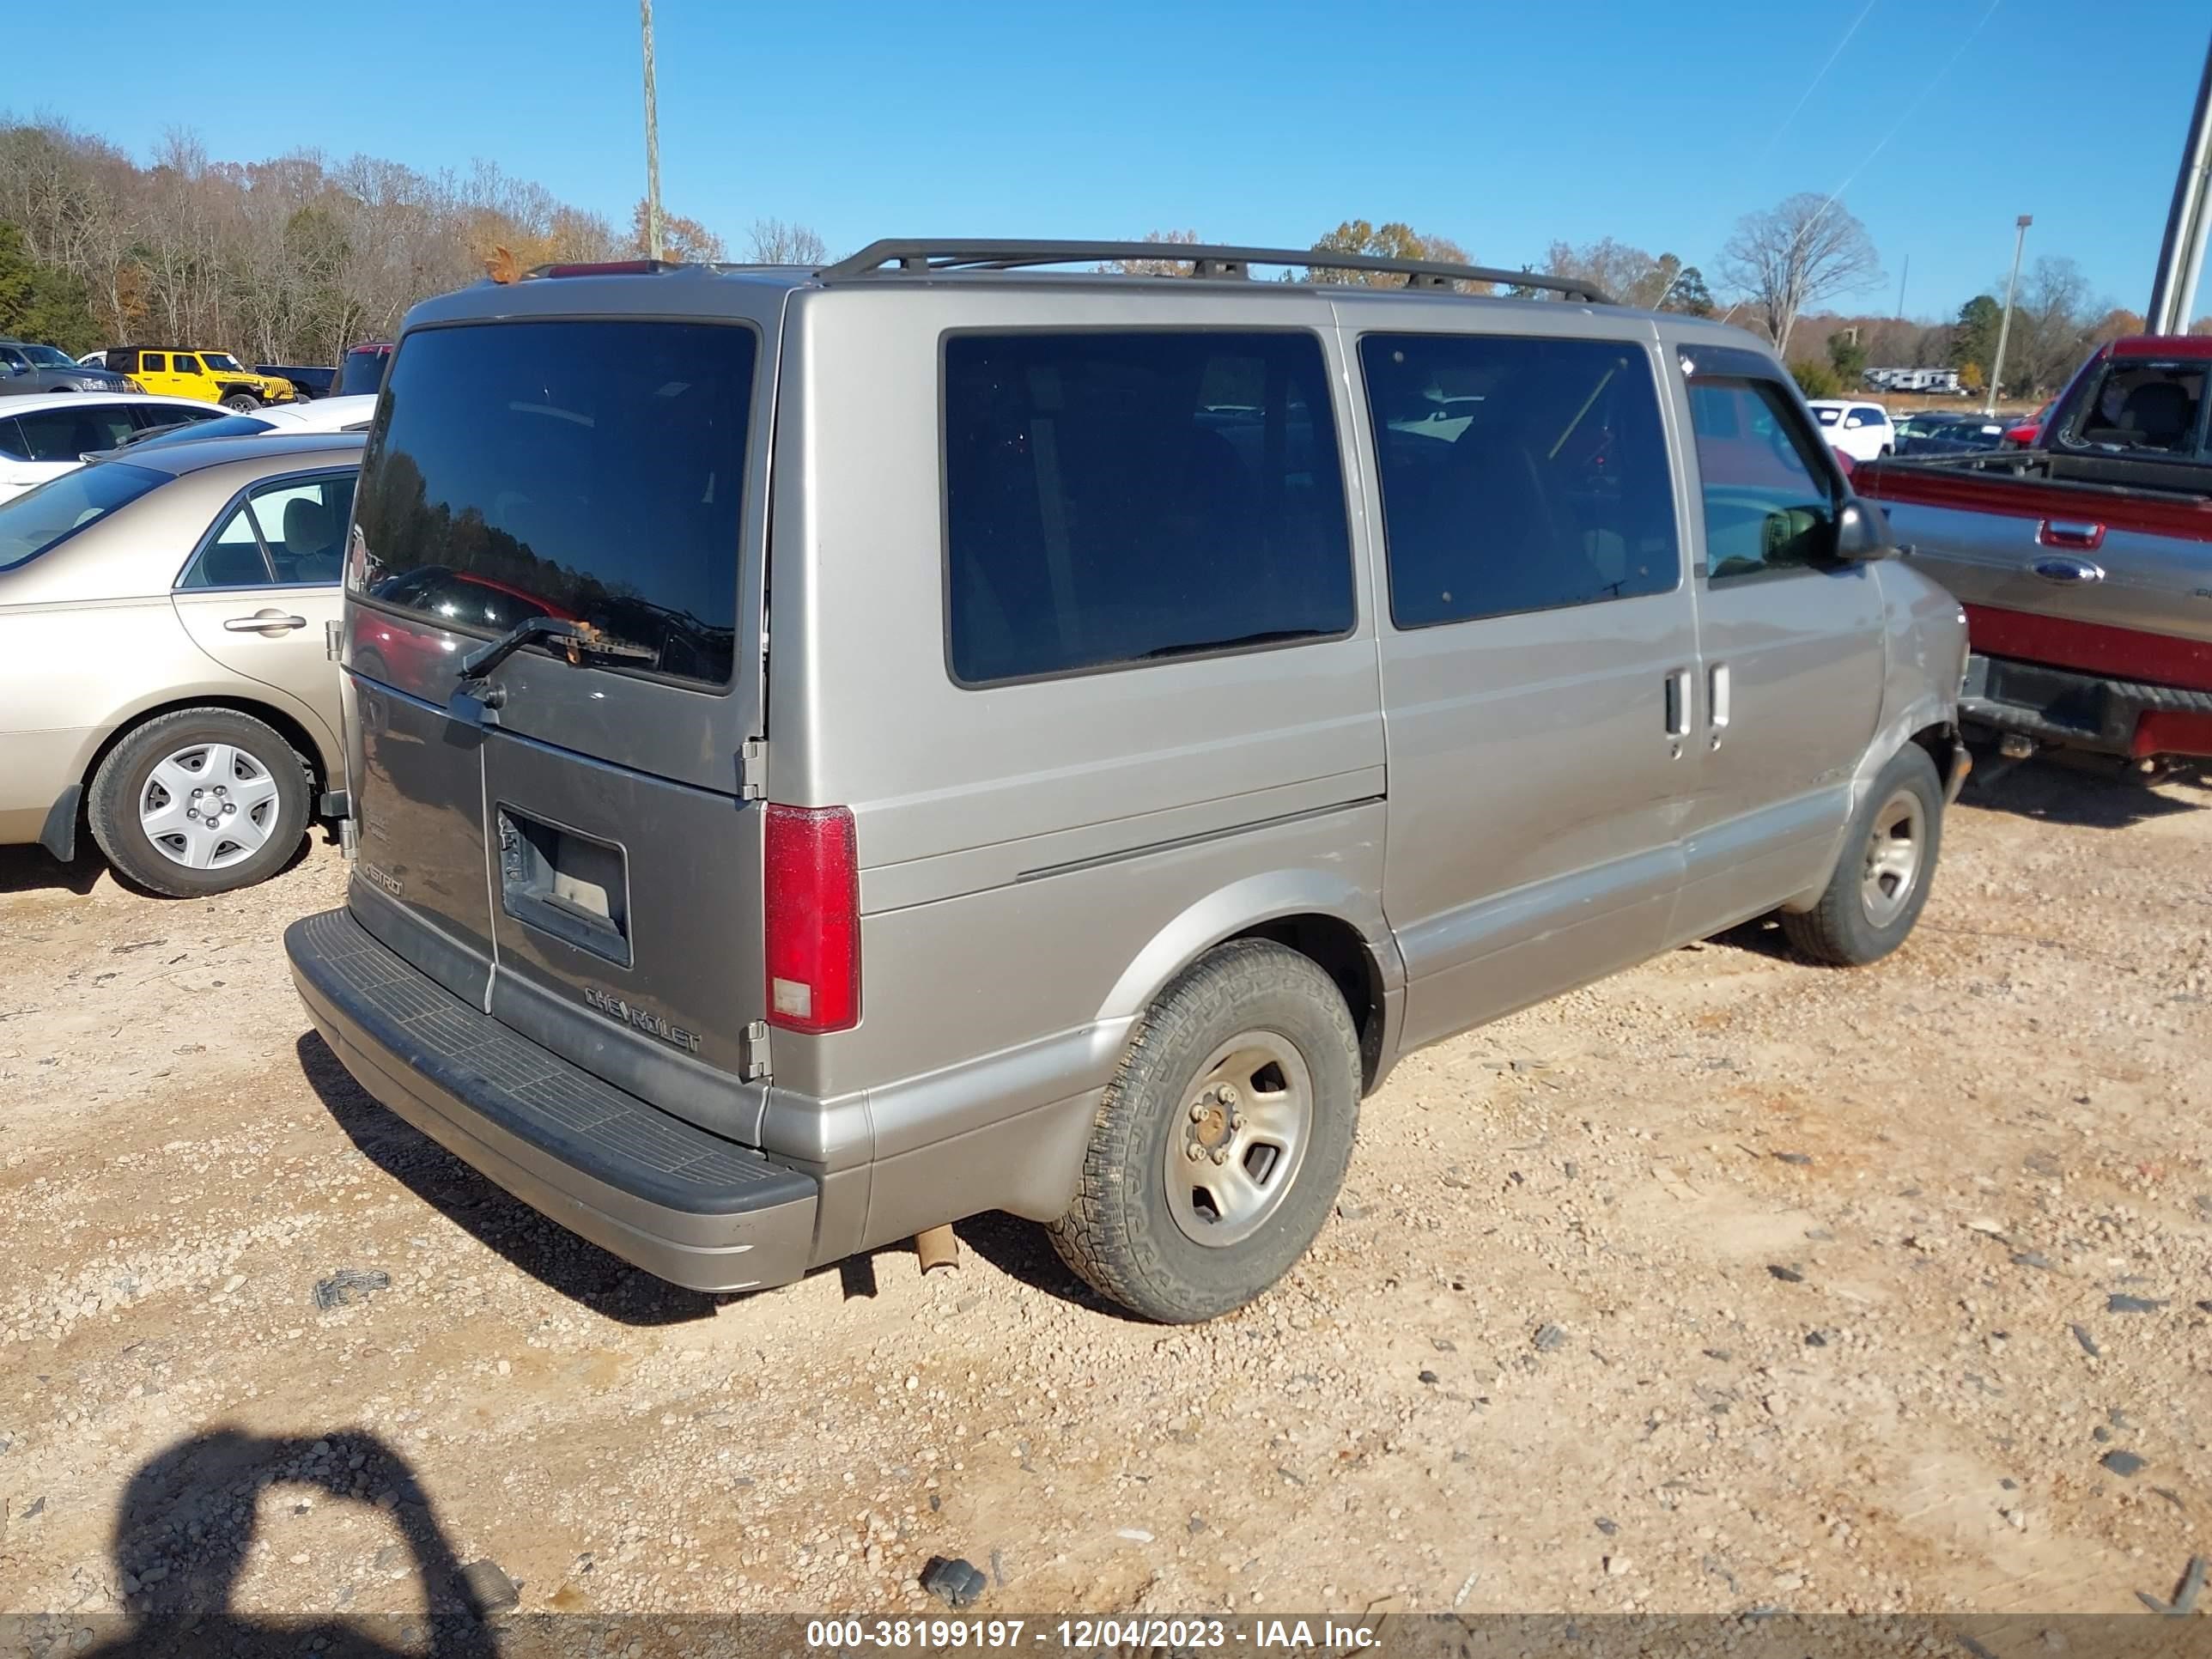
<point>687,1206</point>
<point>2091,712</point>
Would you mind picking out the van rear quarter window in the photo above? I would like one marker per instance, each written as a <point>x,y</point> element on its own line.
<point>590,470</point>
<point>1117,497</point>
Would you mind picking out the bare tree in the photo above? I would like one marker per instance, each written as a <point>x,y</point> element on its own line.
<point>773,242</point>
<point>1793,255</point>
<point>2055,321</point>
<point>1156,267</point>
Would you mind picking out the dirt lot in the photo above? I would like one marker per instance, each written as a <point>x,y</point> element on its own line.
<point>1731,1282</point>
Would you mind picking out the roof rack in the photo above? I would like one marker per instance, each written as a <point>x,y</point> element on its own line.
<point>910,256</point>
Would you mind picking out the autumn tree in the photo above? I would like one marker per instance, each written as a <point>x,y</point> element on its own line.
<point>1390,242</point>
<point>1794,254</point>
<point>686,240</point>
<point>1633,277</point>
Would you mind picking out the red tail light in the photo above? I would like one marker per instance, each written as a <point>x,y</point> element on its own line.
<point>812,894</point>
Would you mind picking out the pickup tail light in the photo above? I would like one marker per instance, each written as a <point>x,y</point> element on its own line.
<point>811,882</point>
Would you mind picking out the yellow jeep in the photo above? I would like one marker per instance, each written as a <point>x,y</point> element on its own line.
<point>215,376</point>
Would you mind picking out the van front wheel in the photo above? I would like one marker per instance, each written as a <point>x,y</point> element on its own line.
<point>1221,1140</point>
<point>1882,879</point>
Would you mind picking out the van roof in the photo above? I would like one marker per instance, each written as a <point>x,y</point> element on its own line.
<point>903,257</point>
<point>1221,272</point>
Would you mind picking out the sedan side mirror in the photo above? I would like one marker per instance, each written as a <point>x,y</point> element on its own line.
<point>1862,534</point>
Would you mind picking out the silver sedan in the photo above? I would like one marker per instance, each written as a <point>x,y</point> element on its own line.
<point>163,680</point>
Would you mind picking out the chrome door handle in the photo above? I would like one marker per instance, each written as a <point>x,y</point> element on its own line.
<point>2067,571</point>
<point>1678,704</point>
<point>1719,690</point>
<point>265,622</point>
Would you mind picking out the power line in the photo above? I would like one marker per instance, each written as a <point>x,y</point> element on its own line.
<point>1805,97</point>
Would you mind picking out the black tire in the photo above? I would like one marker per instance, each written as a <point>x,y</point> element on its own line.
<point>120,785</point>
<point>1122,1233</point>
<point>1849,927</point>
<point>244,402</point>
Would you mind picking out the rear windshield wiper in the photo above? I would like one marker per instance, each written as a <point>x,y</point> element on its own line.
<point>1265,637</point>
<point>583,640</point>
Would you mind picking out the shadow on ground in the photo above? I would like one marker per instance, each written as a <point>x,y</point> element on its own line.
<point>31,869</point>
<point>1021,1250</point>
<point>548,1252</point>
<point>2089,792</point>
<point>186,1523</point>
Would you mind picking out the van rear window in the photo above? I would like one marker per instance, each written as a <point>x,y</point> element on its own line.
<point>1121,497</point>
<point>591,471</point>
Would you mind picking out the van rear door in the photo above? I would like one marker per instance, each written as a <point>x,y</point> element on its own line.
<point>565,839</point>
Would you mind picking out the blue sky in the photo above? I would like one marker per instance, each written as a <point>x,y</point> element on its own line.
<point>1503,126</point>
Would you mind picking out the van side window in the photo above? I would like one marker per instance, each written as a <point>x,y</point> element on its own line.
<point>1770,497</point>
<point>1114,497</point>
<point>1517,474</point>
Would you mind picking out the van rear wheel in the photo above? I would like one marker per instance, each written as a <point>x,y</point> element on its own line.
<point>1221,1140</point>
<point>1881,881</point>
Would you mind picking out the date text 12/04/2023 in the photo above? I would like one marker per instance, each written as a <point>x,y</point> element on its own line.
<point>1086,1635</point>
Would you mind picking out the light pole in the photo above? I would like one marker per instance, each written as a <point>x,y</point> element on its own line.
<point>2004,329</point>
<point>2181,257</point>
<point>652,243</point>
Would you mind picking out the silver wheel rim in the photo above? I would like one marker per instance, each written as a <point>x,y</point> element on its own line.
<point>1238,1139</point>
<point>1893,851</point>
<point>208,807</point>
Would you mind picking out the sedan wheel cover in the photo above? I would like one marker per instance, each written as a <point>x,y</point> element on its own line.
<point>208,807</point>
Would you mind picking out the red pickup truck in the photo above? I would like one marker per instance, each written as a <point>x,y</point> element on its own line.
<point>2084,559</point>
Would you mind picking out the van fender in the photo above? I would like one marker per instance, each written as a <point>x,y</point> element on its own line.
<point>1242,905</point>
<point>1929,710</point>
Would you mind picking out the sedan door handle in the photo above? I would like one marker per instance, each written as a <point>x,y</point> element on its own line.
<point>265,622</point>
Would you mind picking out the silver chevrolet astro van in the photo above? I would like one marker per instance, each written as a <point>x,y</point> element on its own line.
<point>833,752</point>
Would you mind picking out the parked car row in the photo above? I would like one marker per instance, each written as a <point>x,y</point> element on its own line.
<point>26,367</point>
<point>42,437</point>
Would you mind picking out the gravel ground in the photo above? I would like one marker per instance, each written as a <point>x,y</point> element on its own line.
<point>1729,1283</point>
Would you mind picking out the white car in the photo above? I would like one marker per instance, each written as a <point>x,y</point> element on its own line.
<point>323,415</point>
<point>44,435</point>
<point>1862,431</point>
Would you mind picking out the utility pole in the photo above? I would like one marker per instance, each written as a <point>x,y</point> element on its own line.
<point>2181,255</point>
<point>653,242</point>
<point>2004,329</point>
<point>1900,286</point>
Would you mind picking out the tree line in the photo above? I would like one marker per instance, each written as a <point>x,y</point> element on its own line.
<point>291,260</point>
<point>294,259</point>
